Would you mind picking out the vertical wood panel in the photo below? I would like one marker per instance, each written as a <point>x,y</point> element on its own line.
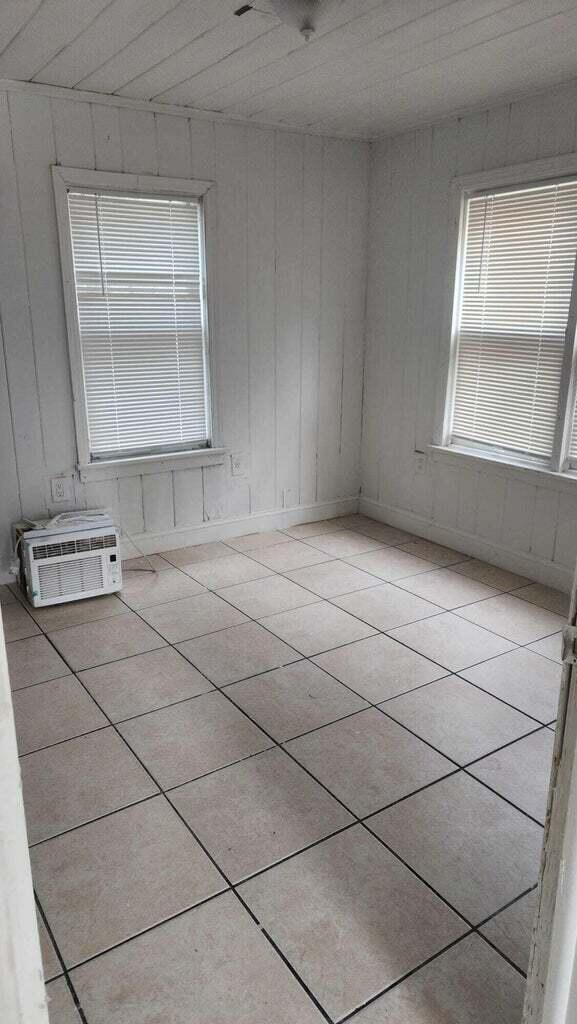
<point>203,149</point>
<point>332,310</point>
<point>17,332</point>
<point>138,139</point>
<point>261,317</point>
<point>158,503</point>
<point>10,507</point>
<point>566,539</point>
<point>188,497</point>
<point>518,515</point>
<point>232,393</point>
<point>107,144</point>
<point>34,153</point>
<point>545,523</point>
<point>73,137</point>
<point>289,242</point>
<point>173,140</point>
<point>130,504</point>
<point>311,292</point>
<point>354,313</point>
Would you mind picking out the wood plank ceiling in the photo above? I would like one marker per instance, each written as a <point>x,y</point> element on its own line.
<point>372,68</point>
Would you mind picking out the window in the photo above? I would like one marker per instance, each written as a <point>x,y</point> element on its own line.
<point>513,390</point>
<point>137,264</point>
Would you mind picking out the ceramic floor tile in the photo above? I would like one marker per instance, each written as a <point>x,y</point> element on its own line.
<point>550,647</point>
<point>471,846</point>
<point>144,563</point>
<point>81,779</point>
<point>447,588</point>
<point>95,643</point>
<point>108,880</point>
<point>368,761</point>
<point>195,970</point>
<point>250,541</point>
<point>391,564</point>
<point>17,622</point>
<point>74,613</point>
<point>295,554</point>
<point>144,683</point>
<point>492,575</point>
<point>451,641</point>
<point>250,815</point>
<point>306,530</point>
<point>143,589</point>
<point>191,616</point>
<point>510,931</point>
<point>344,544</point>
<point>434,552</point>
<point>6,595</point>
<point>512,618</point>
<point>317,628</point>
<point>545,597</point>
<point>293,700</point>
<point>385,533</point>
<point>379,668</point>
<point>522,678</point>
<point>196,553</point>
<point>61,1006</point>
<point>268,596</point>
<point>520,772</point>
<point>333,578</point>
<point>464,723</point>
<point>354,521</point>
<point>386,606</point>
<point>350,918</point>
<point>181,742</point>
<point>237,652</point>
<point>225,572</point>
<point>469,984</point>
<point>53,712</point>
<point>33,660</point>
<point>50,962</point>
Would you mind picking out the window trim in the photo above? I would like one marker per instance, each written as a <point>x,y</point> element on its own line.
<point>66,178</point>
<point>460,189</point>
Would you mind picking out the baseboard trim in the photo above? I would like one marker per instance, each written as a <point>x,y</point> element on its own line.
<point>221,529</point>
<point>549,573</point>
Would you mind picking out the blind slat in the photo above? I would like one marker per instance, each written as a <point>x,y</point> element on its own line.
<point>516,279</point>
<point>139,295</point>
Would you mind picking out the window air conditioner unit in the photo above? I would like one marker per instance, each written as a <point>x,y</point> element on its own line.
<point>72,556</point>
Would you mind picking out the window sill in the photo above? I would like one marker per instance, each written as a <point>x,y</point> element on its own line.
<point>145,464</point>
<point>499,466</point>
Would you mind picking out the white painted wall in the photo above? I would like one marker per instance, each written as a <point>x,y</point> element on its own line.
<point>512,517</point>
<point>289,324</point>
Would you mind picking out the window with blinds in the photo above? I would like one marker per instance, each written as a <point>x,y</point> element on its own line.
<point>138,270</point>
<point>514,299</point>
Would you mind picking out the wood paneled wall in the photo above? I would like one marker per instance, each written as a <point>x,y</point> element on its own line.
<point>512,516</point>
<point>289,311</point>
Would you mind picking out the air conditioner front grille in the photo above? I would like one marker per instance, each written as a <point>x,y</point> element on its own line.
<point>77,576</point>
<point>73,547</point>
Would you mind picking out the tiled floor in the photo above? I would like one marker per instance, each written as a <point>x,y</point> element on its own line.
<point>294,777</point>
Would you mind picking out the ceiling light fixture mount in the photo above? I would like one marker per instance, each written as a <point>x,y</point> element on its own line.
<point>300,14</point>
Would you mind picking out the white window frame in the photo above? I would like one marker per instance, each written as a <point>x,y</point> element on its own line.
<point>64,179</point>
<point>461,189</point>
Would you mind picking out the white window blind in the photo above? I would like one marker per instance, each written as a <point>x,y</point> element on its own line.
<point>138,265</point>
<point>517,276</point>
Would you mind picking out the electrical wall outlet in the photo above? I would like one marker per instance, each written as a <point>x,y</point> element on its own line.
<point>420,462</point>
<point>290,497</point>
<point>62,489</point>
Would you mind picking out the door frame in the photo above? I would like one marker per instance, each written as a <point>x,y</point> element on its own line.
<point>22,998</point>
<point>551,993</point>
